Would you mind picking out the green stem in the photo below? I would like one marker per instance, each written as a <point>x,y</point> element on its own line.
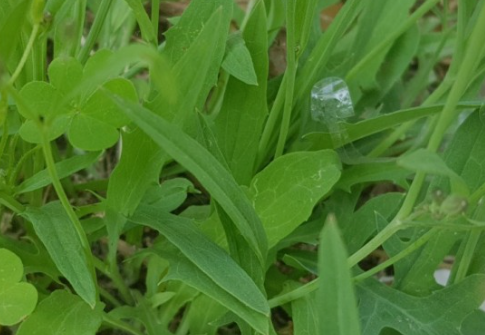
<point>25,55</point>
<point>413,247</point>
<point>115,276</point>
<point>9,202</point>
<point>471,242</point>
<point>389,39</point>
<point>290,74</point>
<point>118,324</point>
<point>155,16</point>
<point>20,163</point>
<point>273,117</point>
<point>51,168</point>
<point>95,30</point>
<point>375,242</point>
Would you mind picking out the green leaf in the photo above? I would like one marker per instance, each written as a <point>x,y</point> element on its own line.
<point>139,166</point>
<point>209,260</point>
<point>305,313</point>
<point>180,37</point>
<point>64,169</point>
<point>17,300</point>
<point>286,191</point>
<point>336,303</point>
<point>101,108</point>
<point>42,99</point>
<point>207,169</point>
<point>423,160</point>
<point>372,172</point>
<point>143,21</point>
<point>202,314</point>
<point>169,195</point>
<point>13,16</point>
<point>90,134</point>
<point>237,61</point>
<point>244,109</point>
<point>31,132</point>
<point>375,125</point>
<point>63,313</point>
<point>413,315</point>
<point>54,228</point>
<point>65,73</point>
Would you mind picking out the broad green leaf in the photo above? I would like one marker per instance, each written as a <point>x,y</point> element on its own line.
<point>180,37</point>
<point>30,131</point>
<point>372,172</point>
<point>64,168</point>
<point>63,313</point>
<point>17,299</point>
<point>423,160</point>
<point>101,108</point>
<point>55,230</point>
<point>94,126</point>
<point>207,169</point>
<point>169,195</point>
<point>237,61</point>
<point>186,272</point>
<point>91,134</point>
<point>286,191</point>
<point>42,99</point>
<point>65,73</point>
<point>244,109</point>
<point>202,314</point>
<point>336,303</point>
<point>13,15</point>
<point>197,70</point>
<point>139,166</point>
<point>441,312</point>
<point>206,261</point>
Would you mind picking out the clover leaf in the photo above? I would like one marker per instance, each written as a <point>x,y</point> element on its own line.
<point>67,105</point>
<point>17,299</point>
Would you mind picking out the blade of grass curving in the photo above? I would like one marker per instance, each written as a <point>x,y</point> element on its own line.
<point>208,170</point>
<point>356,131</point>
<point>207,256</point>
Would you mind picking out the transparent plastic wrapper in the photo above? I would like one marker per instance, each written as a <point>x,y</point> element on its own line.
<point>330,106</point>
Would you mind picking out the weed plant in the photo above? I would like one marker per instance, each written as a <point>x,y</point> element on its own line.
<point>158,181</point>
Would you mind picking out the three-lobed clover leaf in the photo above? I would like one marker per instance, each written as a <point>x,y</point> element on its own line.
<point>17,299</point>
<point>68,104</point>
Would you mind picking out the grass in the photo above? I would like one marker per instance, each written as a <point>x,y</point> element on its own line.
<point>159,176</point>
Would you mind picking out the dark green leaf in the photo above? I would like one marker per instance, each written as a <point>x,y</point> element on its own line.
<point>212,175</point>
<point>336,303</point>
<point>439,313</point>
<point>61,240</point>
<point>64,169</point>
<point>63,314</point>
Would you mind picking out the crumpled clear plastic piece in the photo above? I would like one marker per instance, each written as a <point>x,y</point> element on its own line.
<point>331,102</point>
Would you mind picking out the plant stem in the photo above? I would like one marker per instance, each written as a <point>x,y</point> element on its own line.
<point>413,247</point>
<point>9,202</point>
<point>290,74</point>
<point>115,323</point>
<point>95,30</point>
<point>155,16</point>
<point>115,276</point>
<point>25,55</point>
<point>392,37</point>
